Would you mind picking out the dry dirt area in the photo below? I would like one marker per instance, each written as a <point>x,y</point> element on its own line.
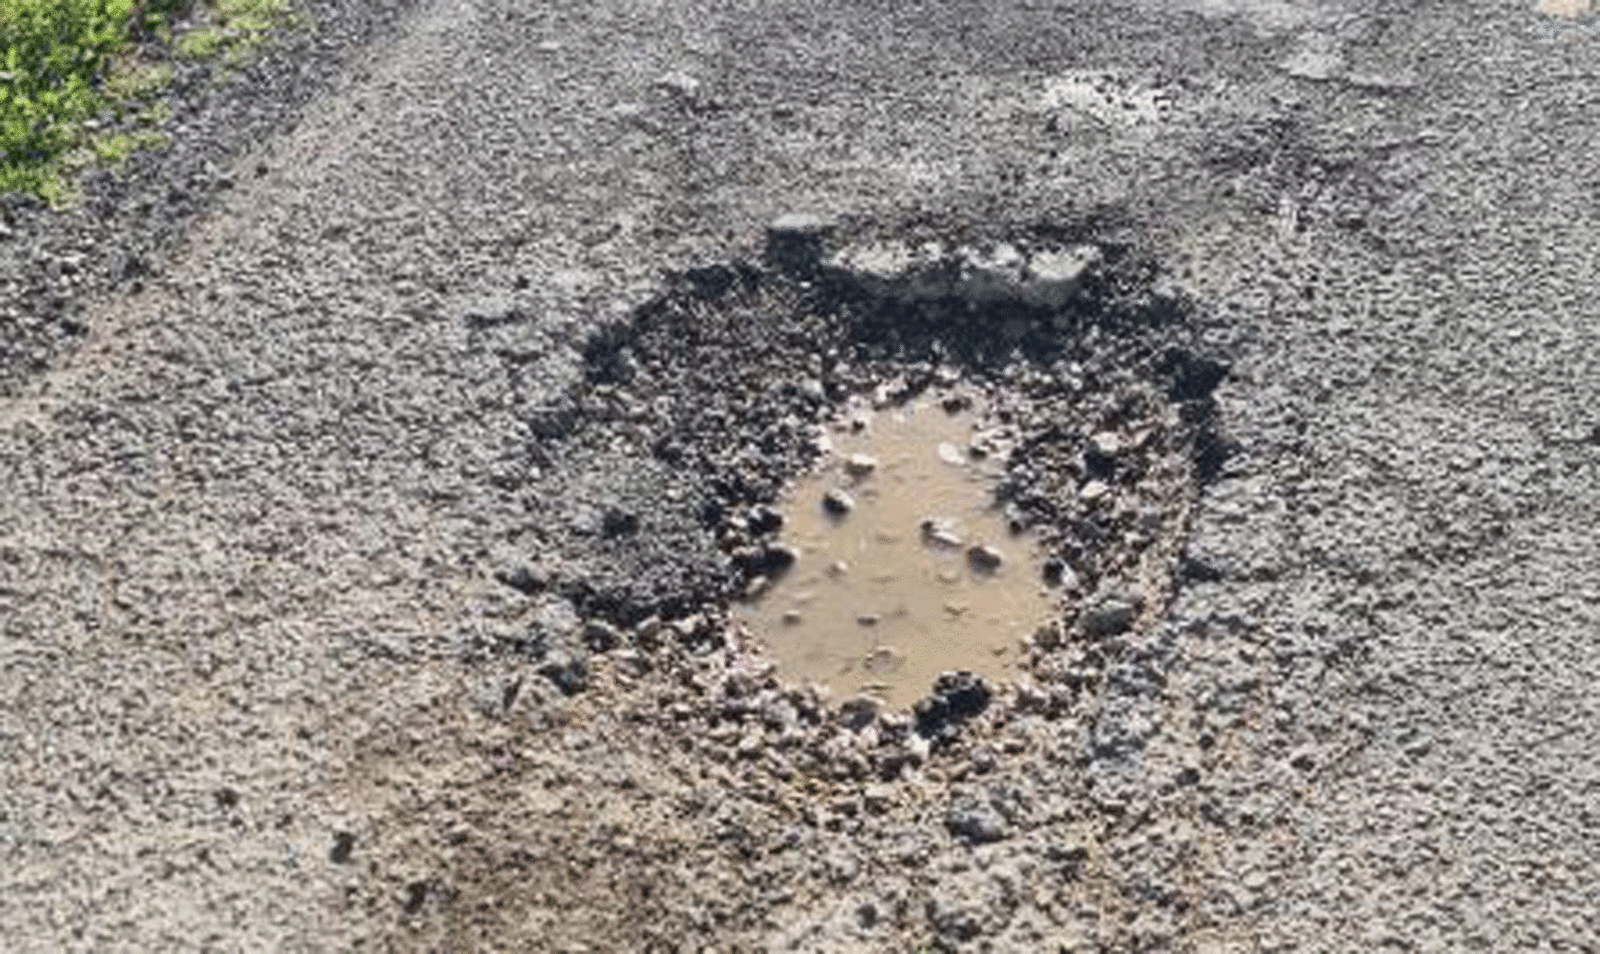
<point>391,469</point>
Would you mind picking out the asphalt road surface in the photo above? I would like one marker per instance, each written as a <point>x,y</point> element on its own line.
<point>288,545</point>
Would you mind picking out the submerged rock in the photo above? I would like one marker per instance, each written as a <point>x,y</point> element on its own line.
<point>838,503</point>
<point>985,559</point>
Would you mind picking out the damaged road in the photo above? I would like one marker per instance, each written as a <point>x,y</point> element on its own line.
<point>366,567</point>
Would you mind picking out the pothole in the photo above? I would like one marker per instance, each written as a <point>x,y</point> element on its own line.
<point>905,566</point>
<point>1079,425</point>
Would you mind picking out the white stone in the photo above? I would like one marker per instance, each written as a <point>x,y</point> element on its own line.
<point>1107,443</point>
<point>860,465</point>
<point>798,223</point>
<point>1052,278</point>
<point>882,261</point>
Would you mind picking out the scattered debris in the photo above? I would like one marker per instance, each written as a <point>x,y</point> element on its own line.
<point>984,558</point>
<point>860,465</point>
<point>837,502</point>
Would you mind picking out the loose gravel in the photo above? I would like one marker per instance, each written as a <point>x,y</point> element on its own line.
<point>351,595</point>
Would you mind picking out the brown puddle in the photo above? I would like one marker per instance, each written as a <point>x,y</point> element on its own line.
<point>906,569</point>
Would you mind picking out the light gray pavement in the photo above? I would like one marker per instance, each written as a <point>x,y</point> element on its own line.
<point>250,527</point>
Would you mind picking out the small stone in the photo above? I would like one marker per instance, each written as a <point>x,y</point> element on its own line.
<point>757,586</point>
<point>629,663</point>
<point>878,798</point>
<point>918,747</point>
<point>1054,569</point>
<point>752,742</point>
<point>891,393</point>
<point>778,558</point>
<point>1106,443</point>
<point>838,503</point>
<point>524,579</point>
<point>689,627</point>
<point>992,279</point>
<point>940,533</point>
<point>860,465</point>
<point>795,242</point>
<point>764,519</point>
<point>1048,636</point>
<point>1110,615</point>
<point>792,617</point>
<point>883,661</point>
<point>976,823</point>
<point>780,715</point>
<point>867,619</point>
<point>956,697</point>
<point>601,636</point>
<point>1052,278</point>
<point>988,443</point>
<point>956,403</point>
<point>859,712</point>
<point>984,559</point>
<point>951,454</point>
<point>876,271</point>
<point>838,568</point>
<point>798,223</point>
<point>343,844</point>
<point>1317,65</point>
<point>1094,490</point>
<point>683,88</point>
<point>568,673</point>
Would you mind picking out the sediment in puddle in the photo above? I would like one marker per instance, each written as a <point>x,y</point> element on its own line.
<point>919,574</point>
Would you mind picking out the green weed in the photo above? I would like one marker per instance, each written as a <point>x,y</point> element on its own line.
<point>52,55</point>
<point>63,62</point>
<point>233,28</point>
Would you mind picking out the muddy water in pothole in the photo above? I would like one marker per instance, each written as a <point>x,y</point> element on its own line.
<point>906,569</point>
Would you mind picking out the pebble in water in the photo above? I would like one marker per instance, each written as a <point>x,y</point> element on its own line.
<point>902,558</point>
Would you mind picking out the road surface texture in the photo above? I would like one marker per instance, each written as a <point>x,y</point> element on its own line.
<point>353,598</point>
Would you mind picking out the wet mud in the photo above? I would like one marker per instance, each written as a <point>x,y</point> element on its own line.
<point>905,565</point>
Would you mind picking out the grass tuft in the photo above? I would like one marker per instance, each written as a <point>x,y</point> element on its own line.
<point>66,62</point>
